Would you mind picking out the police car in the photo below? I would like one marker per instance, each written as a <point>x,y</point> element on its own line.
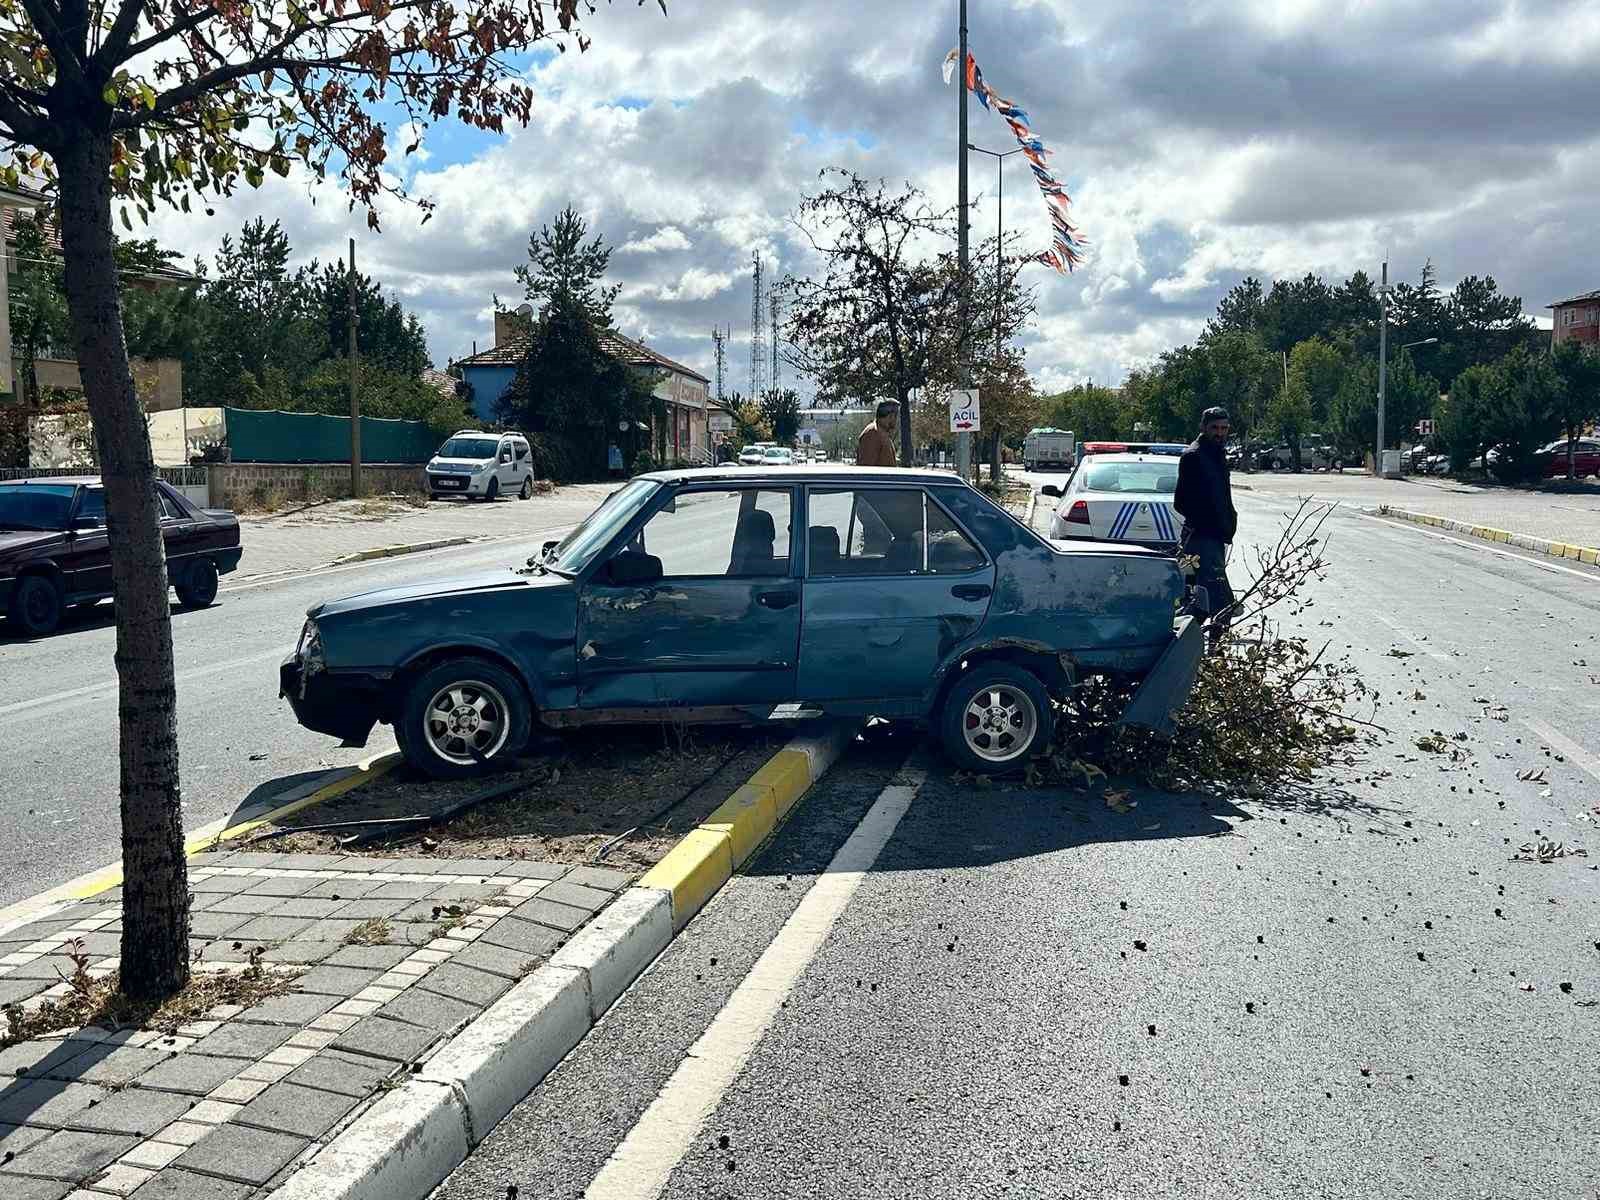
<point>1119,496</point>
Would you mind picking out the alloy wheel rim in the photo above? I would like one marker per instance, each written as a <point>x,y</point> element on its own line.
<point>40,606</point>
<point>466,722</point>
<point>999,723</point>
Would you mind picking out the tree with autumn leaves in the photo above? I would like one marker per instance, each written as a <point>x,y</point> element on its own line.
<point>114,107</point>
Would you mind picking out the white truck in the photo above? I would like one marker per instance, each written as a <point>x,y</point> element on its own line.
<point>1049,448</point>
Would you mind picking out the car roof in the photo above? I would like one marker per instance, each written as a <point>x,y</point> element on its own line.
<point>57,480</point>
<point>811,472</point>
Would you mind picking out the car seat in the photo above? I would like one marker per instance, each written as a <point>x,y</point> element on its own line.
<point>822,548</point>
<point>752,544</point>
<point>1167,483</point>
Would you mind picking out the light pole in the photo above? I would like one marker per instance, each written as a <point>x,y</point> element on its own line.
<point>963,440</point>
<point>1000,157</point>
<point>1383,364</point>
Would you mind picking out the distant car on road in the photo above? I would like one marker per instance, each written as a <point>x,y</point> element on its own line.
<point>1119,498</point>
<point>482,465</point>
<point>1047,447</point>
<point>753,454</point>
<point>54,552</point>
<point>725,595</point>
<point>777,456</point>
<point>1315,454</point>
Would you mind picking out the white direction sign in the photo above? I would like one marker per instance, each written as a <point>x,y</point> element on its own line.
<point>964,416</point>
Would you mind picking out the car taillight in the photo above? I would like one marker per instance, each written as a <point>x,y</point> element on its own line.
<point>1078,514</point>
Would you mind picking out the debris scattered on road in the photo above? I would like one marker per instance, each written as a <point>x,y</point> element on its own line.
<point>1433,743</point>
<point>1545,851</point>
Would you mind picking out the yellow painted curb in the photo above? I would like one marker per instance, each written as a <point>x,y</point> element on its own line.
<point>366,771</point>
<point>1590,556</point>
<point>1557,550</point>
<point>746,817</point>
<point>1583,554</point>
<point>788,774</point>
<point>692,872</point>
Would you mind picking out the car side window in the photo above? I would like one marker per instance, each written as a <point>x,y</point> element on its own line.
<point>169,510</point>
<point>950,551</point>
<point>866,531</point>
<point>740,533</point>
<point>521,449</point>
<point>92,508</point>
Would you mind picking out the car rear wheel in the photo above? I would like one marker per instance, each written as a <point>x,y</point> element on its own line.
<point>527,489</point>
<point>1277,464</point>
<point>462,717</point>
<point>36,606</point>
<point>197,586</point>
<point>995,719</point>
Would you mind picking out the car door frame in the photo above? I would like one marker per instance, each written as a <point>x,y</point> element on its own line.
<point>732,708</point>
<point>87,554</point>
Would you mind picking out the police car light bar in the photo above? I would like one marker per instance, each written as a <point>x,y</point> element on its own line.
<point>1133,448</point>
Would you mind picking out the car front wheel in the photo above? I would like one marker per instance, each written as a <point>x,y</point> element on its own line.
<point>36,606</point>
<point>462,717</point>
<point>527,489</point>
<point>197,586</point>
<point>995,719</point>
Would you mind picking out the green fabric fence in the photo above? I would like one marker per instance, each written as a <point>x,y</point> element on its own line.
<point>256,436</point>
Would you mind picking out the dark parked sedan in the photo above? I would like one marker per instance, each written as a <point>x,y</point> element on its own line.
<point>54,551</point>
<point>753,595</point>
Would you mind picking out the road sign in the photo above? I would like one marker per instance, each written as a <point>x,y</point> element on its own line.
<point>964,415</point>
<point>719,421</point>
<point>1424,428</point>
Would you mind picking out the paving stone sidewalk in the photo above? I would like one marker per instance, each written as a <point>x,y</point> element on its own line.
<point>227,1107</point>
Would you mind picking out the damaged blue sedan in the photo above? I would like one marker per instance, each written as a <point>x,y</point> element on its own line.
<point>729,595</point>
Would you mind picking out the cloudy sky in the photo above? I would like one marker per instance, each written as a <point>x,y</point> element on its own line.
<point>1202,140</point>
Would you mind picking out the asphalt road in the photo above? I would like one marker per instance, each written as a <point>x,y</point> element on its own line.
<point>58,728</point>
<point>1356,994</point>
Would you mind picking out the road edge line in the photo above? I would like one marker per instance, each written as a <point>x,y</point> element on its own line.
<point>1588,555</point>
<point>409,1142</point>
<point>302,796</point>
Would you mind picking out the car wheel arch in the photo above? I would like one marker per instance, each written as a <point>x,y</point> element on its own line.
<point>48,570</point>
<point>425,659</point>
<point>1037,659</point>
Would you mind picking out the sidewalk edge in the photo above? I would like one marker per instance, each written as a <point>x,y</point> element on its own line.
<point>1584,554</point>
<point>396,550</point>
<point>410,1141</point>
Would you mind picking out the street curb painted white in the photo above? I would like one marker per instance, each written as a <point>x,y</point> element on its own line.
<point>521,1037</point>
<point>402,1146</point>
<point>612,950</point>
<point>397,549</point>
<point>411,1140</point>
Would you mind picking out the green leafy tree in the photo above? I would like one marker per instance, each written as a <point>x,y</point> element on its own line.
<point>1578,403</point>
<point>1294,311</point>
<point>37,308</point>
<point>1240,310</point>
<point>1409,397</point>
<point>564,269</point>
<point>1316,369</point>
<point>386,334</point>
<point>780,412</point>
<point>126,104</point>
<point>1524,412</point>
<point>1463,417</point>
<point>1094,414</point>
<point>1242,378</point>
<point>574,394</point>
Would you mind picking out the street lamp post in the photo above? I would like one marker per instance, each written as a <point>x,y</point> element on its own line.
<point>1000,157</point>
<point>963,440</point>
<point>1383,363</point>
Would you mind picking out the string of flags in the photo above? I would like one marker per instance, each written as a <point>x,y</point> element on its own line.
<point>1067,247</point>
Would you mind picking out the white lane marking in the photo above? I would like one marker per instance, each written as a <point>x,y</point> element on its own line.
<point>1415,641</point>
<point>1566,745</point>
<point>639,1168</point>
<point>1475,544</point>
<point>95,692</point>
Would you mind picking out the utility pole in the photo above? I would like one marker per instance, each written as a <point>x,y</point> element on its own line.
<point>355,400</point>
<point>963,440</point>
<point>722,356</point>
<point>1383,364</point>
<point>772,305</point>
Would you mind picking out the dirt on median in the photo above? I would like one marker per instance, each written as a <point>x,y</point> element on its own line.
<point>619,798</point>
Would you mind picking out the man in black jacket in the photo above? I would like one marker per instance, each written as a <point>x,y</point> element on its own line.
<point>1205,501</point>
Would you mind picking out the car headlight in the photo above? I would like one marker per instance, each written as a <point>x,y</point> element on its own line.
<point>309,651</point>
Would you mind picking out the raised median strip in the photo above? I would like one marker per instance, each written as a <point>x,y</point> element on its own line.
<point>1523,541</point>
<point>397,549</point>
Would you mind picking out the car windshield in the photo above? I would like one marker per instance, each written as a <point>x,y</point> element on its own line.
<point>32,506</point>
<point>776,453</point>
<point>1132,477</point>
<point>578,549</point>
<point>469,448</point>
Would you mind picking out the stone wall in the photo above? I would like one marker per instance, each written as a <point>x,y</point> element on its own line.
<point>250,486</point>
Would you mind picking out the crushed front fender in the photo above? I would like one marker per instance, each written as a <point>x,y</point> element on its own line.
<point>1166,688</point>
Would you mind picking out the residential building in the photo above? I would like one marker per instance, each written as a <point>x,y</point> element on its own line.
<point>159,381</point>
<point>490,372</point>
<point>1578,319</point>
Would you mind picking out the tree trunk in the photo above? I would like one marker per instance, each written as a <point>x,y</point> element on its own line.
<point>995,455</point>
<point>905,429</point>
<point>155,895</point>
<point>1572,453</point>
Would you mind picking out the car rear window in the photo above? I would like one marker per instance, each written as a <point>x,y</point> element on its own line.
<point>1145,478</point>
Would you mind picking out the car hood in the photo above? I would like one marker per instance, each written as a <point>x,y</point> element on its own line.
<point>459,464</point>
<point>434,589</point>
<point>14,543</point>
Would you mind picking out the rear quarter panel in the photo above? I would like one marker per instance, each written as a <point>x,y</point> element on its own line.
<point>1109,610</point>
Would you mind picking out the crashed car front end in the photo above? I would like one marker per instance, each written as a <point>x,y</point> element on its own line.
<point>344,705</point>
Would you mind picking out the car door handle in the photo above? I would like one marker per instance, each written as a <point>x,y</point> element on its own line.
<point>970,591</point>
<point>777,599</point>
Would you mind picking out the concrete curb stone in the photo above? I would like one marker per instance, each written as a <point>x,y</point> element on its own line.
<point>1584,554</point>
<point>397,550</point>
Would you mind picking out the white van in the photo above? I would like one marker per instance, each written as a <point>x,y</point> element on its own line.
<point>485,465</point>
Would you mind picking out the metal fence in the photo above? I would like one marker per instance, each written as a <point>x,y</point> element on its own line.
<point>263,436</point>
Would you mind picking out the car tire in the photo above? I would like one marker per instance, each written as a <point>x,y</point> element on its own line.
<point>1276,464</point>
<point>526,492</point>
<point>995,719</point>
<point>492,492</point>
<point>440,738</point>
<point>197,586</point>
<point>36,606</point>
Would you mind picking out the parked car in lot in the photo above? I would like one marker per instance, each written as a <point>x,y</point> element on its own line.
<point>743,596</point>
<point>472,463</point>
<point>753,454</point>
<point>1315,455</point>
<point>1119,498</point>
<point>54,552</point>
<point>1586,459</point>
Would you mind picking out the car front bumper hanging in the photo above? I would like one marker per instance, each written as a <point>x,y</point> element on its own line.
<point>1166,688</point>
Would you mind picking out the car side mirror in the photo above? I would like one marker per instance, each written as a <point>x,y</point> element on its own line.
<point>86,523</point>
<point>544,550</point>
<point>1050,489</point>
<point>633,568</point>
<point>505,458</point>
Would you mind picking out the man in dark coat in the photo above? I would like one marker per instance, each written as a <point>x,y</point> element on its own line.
<point>1205,501</point>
